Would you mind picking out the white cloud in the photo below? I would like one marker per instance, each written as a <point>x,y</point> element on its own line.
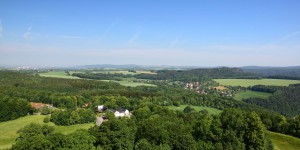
<point>1,28</point>
<point>27,34</point>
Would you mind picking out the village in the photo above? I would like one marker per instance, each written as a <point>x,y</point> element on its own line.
<point>204,89</point>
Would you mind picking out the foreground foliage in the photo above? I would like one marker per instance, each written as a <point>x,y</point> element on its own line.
<point>156,127</point>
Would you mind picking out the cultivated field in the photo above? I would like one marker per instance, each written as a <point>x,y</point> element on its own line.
<point>284,142</point>
<point>129,82</point>
<point>57,74</point>
<point>197,108</point>
<point>133,84</point>
<point>125,82</point>
<point>248,94</point>
<point>105,71</point>
<point>252,82</point>
<point>8,129</point>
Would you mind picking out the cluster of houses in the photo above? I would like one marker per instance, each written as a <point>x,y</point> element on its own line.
<point>194,86</point>
<point>226,93</point>
<point>119,113</point>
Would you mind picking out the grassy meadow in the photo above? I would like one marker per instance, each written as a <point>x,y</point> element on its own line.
<point>124,82</point>
<point>248,94</point>
<point>284,142</point>
<point>57,74</point>
<point>105,71</point>
<point>133,84</point>
<point>197,108</point>
<point>8,132</point>
<point>252,82</point>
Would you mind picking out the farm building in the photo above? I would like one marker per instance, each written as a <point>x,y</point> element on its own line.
<point>40,105</point>
<point>121,112</point>
<point>100,108</point>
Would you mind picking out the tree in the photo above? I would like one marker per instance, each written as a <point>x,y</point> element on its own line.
<point>45,110</point>
<point>234,125</point>
<point>80,139</point>
<point>142,113</point>
<point>254,136</point>
<point>143,144</point>
<point>33,137</point>
<point>34,142</point>
<point>114,134</point>
<point>188,109</point>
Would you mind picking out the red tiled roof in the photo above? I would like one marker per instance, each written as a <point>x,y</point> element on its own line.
<point>38,105</point>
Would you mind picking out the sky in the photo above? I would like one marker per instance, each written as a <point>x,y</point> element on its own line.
<point>150,32</point>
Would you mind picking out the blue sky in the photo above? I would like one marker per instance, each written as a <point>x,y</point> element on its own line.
<point>152,32</point>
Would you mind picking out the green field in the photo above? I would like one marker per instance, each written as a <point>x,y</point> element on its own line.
<point>107,71</point>
<point>57,74</point>
<point>252,82</point>
<point>197,108</point>
<point>124,82</point>
<point>133,84</point>
<point>248,94</point>
<point>129,83</point>
<point>284,142</point>
<point>8,129</point>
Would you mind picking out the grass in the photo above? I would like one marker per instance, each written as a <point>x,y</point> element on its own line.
<point>284,142</point>
<point>125,82</point>
<point>126,72</point>
<point>252,82</point>
<point>133,84</point>
<point>129,82</point>
<point>8,132</point>
<point>248,94</point>
<point>197,108</point>
<point>58,74</point>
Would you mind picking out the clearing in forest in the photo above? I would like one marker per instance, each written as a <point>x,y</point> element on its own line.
<point>57,74</point>
<point>249,94</point>
<point>8,132</point>
<point>210,110</point>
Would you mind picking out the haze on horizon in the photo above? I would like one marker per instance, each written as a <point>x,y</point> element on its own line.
<point>156,32</point>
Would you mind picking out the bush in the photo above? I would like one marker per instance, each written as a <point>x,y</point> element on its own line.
<point>45,111</point>
<point>46,119</point>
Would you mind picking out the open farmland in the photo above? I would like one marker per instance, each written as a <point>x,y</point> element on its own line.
<point>284,142</point>
<point>252,82</point>
<point>57,74</point>
<point>125,82</point>
<point>8,132</point>
<point>197,108</point>
<point>249,94</point>
<point>133,84</point>
<point>130,83</point>
<point>105,71</point>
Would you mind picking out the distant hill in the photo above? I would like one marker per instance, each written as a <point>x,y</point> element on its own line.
<point>134,67</point>
<point>279,72</point>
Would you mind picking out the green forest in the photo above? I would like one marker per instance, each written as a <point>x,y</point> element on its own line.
<point>239,124</point>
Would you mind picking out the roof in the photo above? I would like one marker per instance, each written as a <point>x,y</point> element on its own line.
<point>120,110</point>
<point>39,105</point>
